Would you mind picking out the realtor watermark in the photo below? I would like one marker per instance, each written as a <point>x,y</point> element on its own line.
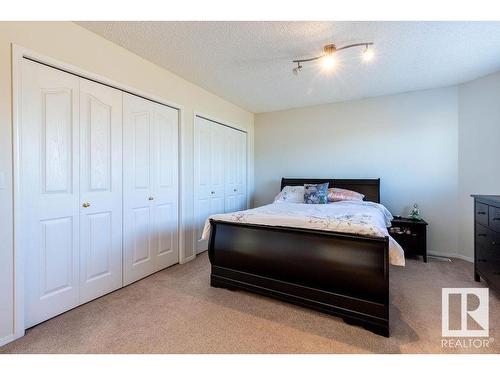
<point>468,326</point>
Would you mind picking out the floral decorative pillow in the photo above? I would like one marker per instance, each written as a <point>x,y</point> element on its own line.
<point>290,194</point>
<point>316,193</point>
<point>336,195</point>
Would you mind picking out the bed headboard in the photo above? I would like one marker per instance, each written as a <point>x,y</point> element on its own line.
<point>370,188</point>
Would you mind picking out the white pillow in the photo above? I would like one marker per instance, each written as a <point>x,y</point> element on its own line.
<point>290,194</point>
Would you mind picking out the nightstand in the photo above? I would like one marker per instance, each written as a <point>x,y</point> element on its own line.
<point>411,235</point>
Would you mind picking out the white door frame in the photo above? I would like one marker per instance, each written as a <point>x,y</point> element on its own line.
<point>195,166</point>
<point>18,53</point>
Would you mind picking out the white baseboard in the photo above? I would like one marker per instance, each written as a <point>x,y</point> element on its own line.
<point>452,255</point>
<point>463,257</point>
<point>9,338</point>
<point>188,259</point>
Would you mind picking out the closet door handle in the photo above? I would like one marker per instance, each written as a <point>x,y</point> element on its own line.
<point>481,234</point>
<point>481,213</point>
<point>235,190</point>
<point>85,204</point>
<point>212,192</point>
<point>150,198</point>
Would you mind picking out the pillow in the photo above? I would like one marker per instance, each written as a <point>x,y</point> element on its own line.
<point>290,194</point>
<point>316,193</point>
<point>336,194</point>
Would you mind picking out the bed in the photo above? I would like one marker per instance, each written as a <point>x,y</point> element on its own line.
<point>308,262</point>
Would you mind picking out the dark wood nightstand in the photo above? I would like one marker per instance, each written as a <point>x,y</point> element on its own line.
<point>411,235</point>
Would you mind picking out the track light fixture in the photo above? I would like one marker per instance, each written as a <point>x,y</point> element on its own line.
<point>328,58</point>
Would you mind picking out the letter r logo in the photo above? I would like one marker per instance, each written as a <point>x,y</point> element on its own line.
<point>479,314</point>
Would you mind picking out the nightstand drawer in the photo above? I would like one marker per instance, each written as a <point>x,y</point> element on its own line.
<point>482,213</point>
<point>494,218</point>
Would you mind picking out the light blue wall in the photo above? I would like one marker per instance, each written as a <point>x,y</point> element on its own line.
<point>409,140</point>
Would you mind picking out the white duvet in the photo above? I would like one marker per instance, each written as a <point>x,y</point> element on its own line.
<point>357,217</point>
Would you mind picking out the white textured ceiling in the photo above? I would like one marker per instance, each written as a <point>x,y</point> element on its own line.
<point>249,63</point>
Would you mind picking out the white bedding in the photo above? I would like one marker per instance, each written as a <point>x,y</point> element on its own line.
<point>357,217</point>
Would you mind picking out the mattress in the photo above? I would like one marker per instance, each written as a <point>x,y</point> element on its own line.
<point>357,217</point>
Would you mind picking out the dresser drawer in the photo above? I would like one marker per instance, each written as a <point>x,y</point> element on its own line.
<point>490,253</point>
<point>488,263</point>
<point>494,218</point>
<point>487,237</point>
<point>481,213</point>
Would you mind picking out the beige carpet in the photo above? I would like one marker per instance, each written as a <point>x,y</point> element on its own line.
<point>176,311</point>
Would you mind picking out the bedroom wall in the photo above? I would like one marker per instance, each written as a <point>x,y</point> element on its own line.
<point>479,150</point>
<point>72,44</point>
<point>409,140</point>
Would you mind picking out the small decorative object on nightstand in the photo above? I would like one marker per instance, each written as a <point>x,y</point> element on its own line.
<point>411,234</point>
<point>415,212</point>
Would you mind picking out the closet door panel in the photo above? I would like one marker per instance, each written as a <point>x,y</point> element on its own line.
<point>235,172</point>
<point>100,190</point>
<point>202,178</point>
<point>165,192</point>
<point>241,171</point>
<point>49,179</point>
<point>217,178</point>
<point>138,231</point>
<point>150,184</point>
<point>231,170</point>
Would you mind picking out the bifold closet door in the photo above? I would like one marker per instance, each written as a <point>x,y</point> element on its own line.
<point>70,190</point>
<point>150,187</point>
<point>100,190</point>
<point>235,170</point>
<point>49,190</point>
<point>209,174</point>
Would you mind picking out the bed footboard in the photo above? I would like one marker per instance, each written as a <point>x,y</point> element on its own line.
<point>337,273</point>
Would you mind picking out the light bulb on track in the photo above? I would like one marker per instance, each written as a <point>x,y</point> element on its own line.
<point>328,62</point>
<point>367,54</point>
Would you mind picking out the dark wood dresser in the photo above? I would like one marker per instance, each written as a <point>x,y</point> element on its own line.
<point>487,239</point>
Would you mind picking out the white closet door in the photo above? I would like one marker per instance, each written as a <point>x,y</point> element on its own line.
<point>150,195</point>
<point>210,159</point>
<point>202,178</point>
<point>165,182</point>
<point>100,190</point>
<point>231,170</point>
<point>49,183</point>
<point>236,170</point>
<point>241,171</point>
<point>217,156</point>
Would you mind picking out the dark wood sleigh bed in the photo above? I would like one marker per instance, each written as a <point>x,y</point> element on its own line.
<point>341,274</point>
